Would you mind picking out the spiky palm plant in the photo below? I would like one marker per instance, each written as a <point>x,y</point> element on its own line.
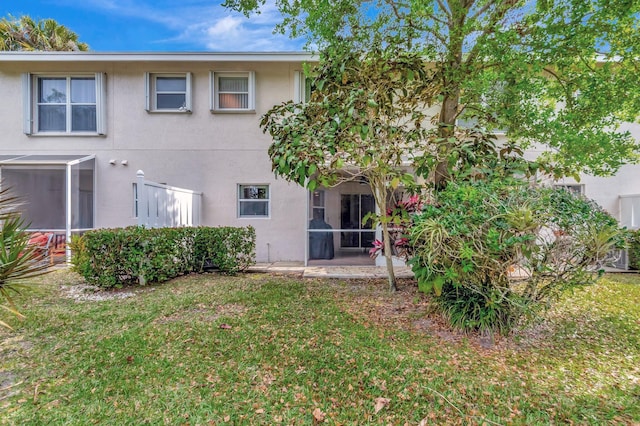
<point>19,261</point>
<point>26,34</point>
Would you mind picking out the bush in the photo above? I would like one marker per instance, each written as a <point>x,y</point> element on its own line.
<point>495,252</point>
<point>228,249</point>
<point>136,255</point>
<point>634,249</point>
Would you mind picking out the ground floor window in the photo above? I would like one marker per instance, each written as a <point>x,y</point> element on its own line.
<point>575,188</point>
<point>253,200</point>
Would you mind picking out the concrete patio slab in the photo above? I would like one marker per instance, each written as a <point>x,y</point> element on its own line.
<point>345,272</point>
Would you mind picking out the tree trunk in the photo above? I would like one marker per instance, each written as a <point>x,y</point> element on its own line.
<point>388,257</point>
<point>448,113</point>
<point>450,74</point>
<point>378,185</point>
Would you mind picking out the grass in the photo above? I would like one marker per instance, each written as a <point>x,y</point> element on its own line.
<point>260,349</point>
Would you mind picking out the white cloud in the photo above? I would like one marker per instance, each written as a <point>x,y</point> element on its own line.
<point>206,25</point>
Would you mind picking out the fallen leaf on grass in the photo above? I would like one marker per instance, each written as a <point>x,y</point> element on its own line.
<point>380,404</point>
<point>318,416</point>
<point>225,326</point>
<point>260,411</point>
<point>428,420</point>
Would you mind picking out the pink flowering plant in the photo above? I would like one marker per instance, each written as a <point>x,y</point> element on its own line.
<point>399,215</point>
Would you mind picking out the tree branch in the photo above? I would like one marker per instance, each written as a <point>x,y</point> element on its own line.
<point>481,10</point>
<point>490,27</point>
<point>556,76</point>
<point>446,11</point>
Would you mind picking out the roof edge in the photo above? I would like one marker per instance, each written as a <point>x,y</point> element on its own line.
<point>23,56</point>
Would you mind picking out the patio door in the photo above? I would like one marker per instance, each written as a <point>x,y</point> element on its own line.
<point>356,234</point>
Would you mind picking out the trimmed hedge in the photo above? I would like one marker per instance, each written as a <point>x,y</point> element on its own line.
<point>136,255</point>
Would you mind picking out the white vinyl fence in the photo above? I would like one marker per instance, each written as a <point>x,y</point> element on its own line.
<point>629,218</point>
<point>159,206</point>
<point>630,211</point>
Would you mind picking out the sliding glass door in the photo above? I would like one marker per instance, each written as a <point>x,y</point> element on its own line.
<point>356,234</point>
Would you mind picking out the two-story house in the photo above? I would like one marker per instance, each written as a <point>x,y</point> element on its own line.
<point>77,128</point>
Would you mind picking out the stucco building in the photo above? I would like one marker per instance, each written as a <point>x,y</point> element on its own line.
<point>76,128</point>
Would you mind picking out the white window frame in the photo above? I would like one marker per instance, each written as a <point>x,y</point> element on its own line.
<point>469,123</point>
<point>214,100</point>
<point>321,206</point>
<point>301,89</point>
<point>30,104</point>
<point>576,188</point>
<point>239,188</point>
<point>151,94</point>
<point>473,121</point>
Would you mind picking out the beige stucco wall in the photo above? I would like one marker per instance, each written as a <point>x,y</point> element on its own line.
<point>606,191</point>
<point>206,152</point>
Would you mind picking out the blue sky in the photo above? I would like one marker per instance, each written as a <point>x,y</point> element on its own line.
<point>160,25</point>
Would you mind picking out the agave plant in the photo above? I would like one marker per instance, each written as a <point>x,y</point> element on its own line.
<point>19,261</point>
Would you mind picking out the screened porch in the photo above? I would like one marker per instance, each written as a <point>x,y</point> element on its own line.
<point>57,192</point>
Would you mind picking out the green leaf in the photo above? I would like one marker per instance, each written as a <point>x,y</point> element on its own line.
<point>425,286</point>
<point>438,283</point>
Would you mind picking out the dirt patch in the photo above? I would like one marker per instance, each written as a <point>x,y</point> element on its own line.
<point>13,347</point>
<point>372,301</point>
<point>436,326</point>
<point>7,379</point>
<point>8,386</point>
<point>411,310</point>
<point>89,293</point>
<point>204,313</point>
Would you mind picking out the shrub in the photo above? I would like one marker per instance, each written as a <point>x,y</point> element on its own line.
<point>634,249</point>
<point>495,252</point>
<point>136,255</point>
<point>229,249</point>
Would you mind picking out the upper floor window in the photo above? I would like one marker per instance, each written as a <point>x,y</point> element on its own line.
<point>168,92</point>
<point>233,91</point>
<point>490,119</point>
<point>59,104</point>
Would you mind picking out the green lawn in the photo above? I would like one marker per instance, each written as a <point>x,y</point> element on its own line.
<point>260,349</point>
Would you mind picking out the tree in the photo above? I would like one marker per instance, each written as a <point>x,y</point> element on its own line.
<point>361,122</point>
<point>26,34</point>
<point>561,73</point>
